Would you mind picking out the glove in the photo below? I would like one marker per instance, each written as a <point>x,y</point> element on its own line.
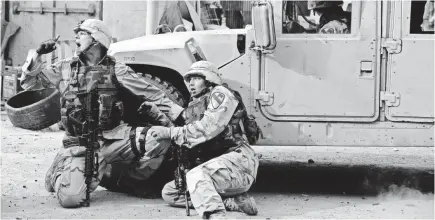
<point>160,132</point>
<point>156,116</point>
<point>47,46</point>
<point>148,108</point>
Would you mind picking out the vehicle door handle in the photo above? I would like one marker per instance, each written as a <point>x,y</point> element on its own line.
<point>366,68</point>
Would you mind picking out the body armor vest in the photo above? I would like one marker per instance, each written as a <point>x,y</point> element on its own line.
<point>84,79</point>
<point>229,139</point>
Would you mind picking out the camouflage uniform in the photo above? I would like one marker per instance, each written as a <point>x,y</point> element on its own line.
<point>231,165</point>
<point>66,174</point>
<point>335,27</point>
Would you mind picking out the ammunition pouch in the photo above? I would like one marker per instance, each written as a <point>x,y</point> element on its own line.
<point>110,112</point>
<point>249,125</point>
<point>76,120</point>
<point>64,117</point>
<point>71,142</point>
<point>72,120</point>
<point>252,130</point>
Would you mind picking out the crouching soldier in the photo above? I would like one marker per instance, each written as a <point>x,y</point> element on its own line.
<point>117,88</point>
<point>213,128</point>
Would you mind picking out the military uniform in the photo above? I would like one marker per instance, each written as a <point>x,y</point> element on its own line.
<point>117,141</point>
<point>230,167</point>
<point>333,19</point>
<point>335,27</point>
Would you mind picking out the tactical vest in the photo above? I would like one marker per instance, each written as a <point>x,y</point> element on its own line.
<point>227,140</point>
<point>84,79</point>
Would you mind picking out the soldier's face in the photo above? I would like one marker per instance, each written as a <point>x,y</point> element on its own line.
<point>83,40</point>
<point>196,85</point>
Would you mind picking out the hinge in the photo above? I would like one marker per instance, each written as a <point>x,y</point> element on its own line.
<point>392,45</point>
<point>265,98</point>
<point>391,99</point>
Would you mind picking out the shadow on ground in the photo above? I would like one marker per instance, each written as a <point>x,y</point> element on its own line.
<point>338,179</point>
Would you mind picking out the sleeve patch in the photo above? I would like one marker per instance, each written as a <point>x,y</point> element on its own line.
<point>217,98</point>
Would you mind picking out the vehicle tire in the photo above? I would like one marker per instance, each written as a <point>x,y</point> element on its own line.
<point>111,177</point>
<point>34,110</point>
<point>173,93</point>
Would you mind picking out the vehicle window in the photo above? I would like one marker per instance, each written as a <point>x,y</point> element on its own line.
<point>225,14</point>
<point>322,17</point>
<point>422,17</point>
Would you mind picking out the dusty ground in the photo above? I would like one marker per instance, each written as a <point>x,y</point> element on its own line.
<point>26,155</point>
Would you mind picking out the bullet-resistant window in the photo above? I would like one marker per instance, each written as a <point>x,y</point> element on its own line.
<point>317,17</point>
<point>225,14</point>
<point>422,17</point>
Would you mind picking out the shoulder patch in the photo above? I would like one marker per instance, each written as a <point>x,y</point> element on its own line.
<point>217,98</point>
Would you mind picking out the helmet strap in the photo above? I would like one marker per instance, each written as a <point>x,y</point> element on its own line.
<point>203,92</point>
<point>83,52</point>
<point>93,57</point>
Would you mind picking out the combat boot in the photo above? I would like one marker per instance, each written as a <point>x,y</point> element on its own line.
<point>215,215</point>
<point>241,203</point>
<point>49,182</point>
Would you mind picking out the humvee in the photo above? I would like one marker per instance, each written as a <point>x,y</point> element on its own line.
<point>373,86</point>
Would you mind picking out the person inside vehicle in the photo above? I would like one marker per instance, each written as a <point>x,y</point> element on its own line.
<point>428,17</point>
<point>333,19</point>
<point>326,17</point>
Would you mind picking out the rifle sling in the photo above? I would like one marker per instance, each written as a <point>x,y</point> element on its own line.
<point>139,152</point>
<point>133,143</point>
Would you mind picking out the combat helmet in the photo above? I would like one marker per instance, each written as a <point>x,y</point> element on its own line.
<point>98,30</point>
<point>206,69</point>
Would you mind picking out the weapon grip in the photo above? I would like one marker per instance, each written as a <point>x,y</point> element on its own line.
<point>180,174</point>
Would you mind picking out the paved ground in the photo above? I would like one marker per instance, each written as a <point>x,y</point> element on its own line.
<point>26,155</point>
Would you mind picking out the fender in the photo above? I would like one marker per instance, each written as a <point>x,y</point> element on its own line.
<point>171,50</point>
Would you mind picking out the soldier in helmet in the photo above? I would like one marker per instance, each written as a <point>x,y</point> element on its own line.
<point>333,19</point>
<point>212,128</point>
<point>119,142</point>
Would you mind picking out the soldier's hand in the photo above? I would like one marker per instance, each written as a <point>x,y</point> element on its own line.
<point>47,46</point>
<point>148,108</point>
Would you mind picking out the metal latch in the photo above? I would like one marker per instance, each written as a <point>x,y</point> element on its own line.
<point>392,45</point>
<point>391,99</point>
<point>91,10</point>
<point>265,98</point>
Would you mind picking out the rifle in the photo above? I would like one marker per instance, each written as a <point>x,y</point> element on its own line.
<point>88,138</point>
<point>183,165</point>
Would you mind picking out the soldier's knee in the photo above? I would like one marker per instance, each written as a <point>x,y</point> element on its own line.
<point>169,194</point>
<point>69,201</point>
<point>69,197</point>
